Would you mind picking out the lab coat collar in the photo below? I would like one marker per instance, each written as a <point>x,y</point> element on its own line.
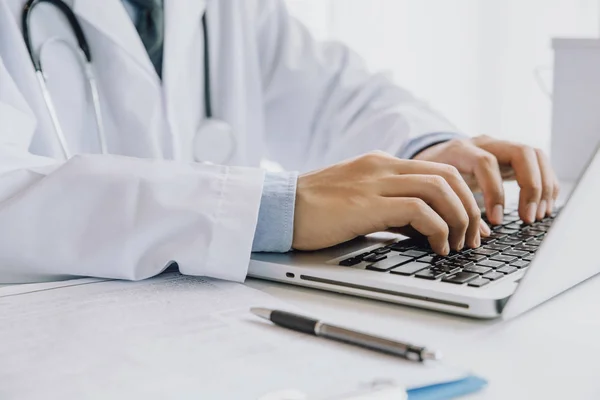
<point>183,21</point>
<point>112,20</point>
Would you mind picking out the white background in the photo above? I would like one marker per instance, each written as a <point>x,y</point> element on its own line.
<point>474,60</point>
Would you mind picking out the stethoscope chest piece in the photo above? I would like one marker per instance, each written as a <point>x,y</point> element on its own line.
<point>214,142</point>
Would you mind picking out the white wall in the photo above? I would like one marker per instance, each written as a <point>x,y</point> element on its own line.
<point>472,59</point>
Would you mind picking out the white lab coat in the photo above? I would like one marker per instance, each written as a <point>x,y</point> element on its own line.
<point>130,214</point>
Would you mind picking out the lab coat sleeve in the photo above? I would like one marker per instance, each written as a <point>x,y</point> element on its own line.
<point>323,105</point>
<point>113,216</point>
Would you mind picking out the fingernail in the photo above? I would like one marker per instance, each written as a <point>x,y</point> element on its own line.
<point>530,212</point>
<point>446,249</point>
<point>461,245</point>
<point>498,213</point>
<point>485,229</point>
<point>542,208</point>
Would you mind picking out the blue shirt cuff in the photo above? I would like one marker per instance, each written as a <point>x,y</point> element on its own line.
<point>418,144</point>
<point>275,228</point>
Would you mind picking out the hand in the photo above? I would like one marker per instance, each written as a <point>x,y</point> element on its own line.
<point>376,192</point>
<point>486,162</point>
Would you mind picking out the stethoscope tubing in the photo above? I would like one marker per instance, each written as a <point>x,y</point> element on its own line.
<point>85,56</point>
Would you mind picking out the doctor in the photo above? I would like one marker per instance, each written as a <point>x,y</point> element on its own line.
<point>67,209</point>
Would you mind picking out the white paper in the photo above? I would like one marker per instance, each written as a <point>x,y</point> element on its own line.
<point>177,337</point>
<point>16,289</point>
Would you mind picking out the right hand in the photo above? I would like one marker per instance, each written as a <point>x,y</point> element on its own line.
<point>377,192</point>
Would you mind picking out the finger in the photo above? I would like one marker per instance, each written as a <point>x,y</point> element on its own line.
<point>484,166</point>
<point>406,211</point>
<point>458,184</point>
<point>548,185</point>
<point>484,230</point>
<point>439,195</point>
<point>524,161</point>
<point>555,194</point>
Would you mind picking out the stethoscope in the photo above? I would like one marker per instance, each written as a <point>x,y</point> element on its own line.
<point>214,141</point>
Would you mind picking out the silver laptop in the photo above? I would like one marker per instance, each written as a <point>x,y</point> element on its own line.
<point>517,268</point>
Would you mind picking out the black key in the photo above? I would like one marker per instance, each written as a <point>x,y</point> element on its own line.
<point>531,233</point>
<point>402,246</point>
<point>516,225</point>
<point>487,240</point>
<point>476,269</point>
<point>374,258</point>
<point>389,263</point>
<point>496,235</point>
<point>426,260</point>
<point>542,228</point>
<point>493,275</point>
<point>453,254</point>
<point>491,264</point>
<point>507,269</point>
<point>485,252</point>
<point>475,257</point>
<point>350,261</point>
<point>414,253</point>
<point>538,229</point>
<point>409,269</point>
<point>446,268</point>
<point>510,218</point>
<point>516,253</point>
<point>509,242</point>
<point>526,247</point>
<point>529,257</point>
<point>382,250</point>
<point>522,238</point>
<point>462,263</point>
<point>428,274</point>
<point>439,259</point>
<point>505,231</point>
<point>520,264</point>
<point>499,247</point>
<point>479,282</point>
<point>460,278</point>
<point>505,259</point>
<point>462,257</point>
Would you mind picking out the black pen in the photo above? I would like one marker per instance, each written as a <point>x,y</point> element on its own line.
<point>315,327</point>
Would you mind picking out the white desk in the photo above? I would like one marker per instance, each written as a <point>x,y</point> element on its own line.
<point>552,352</point>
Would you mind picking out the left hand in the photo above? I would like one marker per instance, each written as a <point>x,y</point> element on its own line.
<point>486,162</point>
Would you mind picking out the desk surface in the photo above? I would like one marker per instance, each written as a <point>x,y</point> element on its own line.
<point>551,352</point>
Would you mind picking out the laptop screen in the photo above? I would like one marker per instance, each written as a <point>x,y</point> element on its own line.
<point>566,256</point>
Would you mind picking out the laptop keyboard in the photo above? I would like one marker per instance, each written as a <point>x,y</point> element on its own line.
<point>510,248</point>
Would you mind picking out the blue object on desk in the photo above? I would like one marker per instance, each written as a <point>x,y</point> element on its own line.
<point>450,390</point>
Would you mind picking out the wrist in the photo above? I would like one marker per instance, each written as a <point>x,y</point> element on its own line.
<point>418,145</point>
